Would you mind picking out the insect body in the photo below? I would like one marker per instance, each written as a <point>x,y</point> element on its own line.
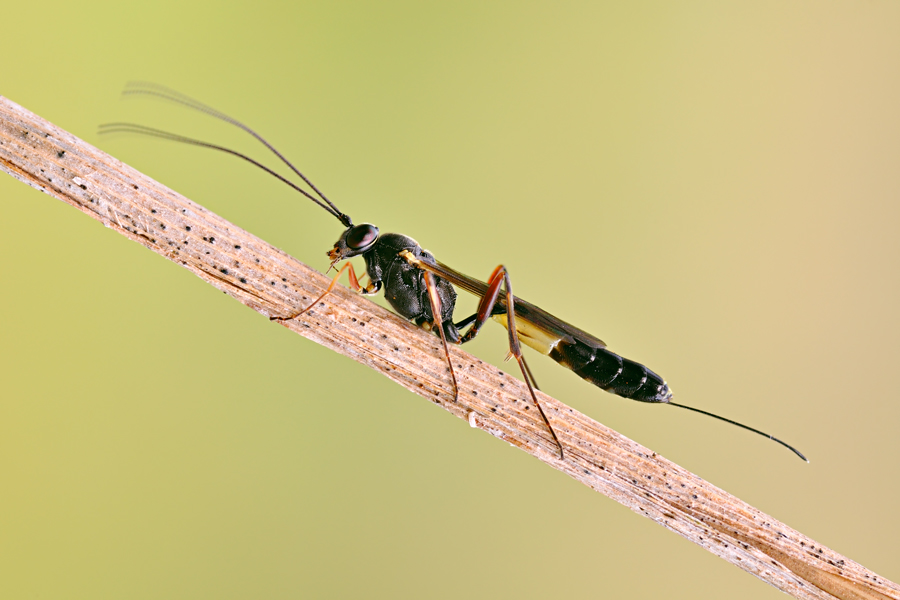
<point>399,264</point>
<point>403,282</point>
<point>571,347</point>
<point>421,289</point>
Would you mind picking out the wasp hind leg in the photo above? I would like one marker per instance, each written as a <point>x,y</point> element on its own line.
<point>500,277</point>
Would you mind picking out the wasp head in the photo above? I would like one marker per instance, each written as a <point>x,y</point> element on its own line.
<point>356,240</point>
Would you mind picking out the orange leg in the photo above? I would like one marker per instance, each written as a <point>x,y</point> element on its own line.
<point>500,277</point>
<point>435,300</point>
<point>354,285</point>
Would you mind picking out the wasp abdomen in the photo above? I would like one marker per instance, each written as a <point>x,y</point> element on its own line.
<point>611,372</point>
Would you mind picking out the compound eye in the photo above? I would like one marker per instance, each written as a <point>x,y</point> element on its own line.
<point>362,236</point>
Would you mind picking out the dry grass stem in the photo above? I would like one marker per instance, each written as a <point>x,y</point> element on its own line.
<point>272,283</point>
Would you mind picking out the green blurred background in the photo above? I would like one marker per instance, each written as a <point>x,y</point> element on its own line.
<point>712,188</point>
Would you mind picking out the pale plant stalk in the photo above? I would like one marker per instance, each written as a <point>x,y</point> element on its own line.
<point>274,284</point>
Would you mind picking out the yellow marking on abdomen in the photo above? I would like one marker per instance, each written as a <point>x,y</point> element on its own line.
<point>532,336</point>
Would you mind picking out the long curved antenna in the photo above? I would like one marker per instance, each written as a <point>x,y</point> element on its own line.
<point>142,129</point>
<point>741,425</point>
<point>161,91</point>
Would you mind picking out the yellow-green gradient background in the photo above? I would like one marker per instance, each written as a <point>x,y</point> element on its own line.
<point>712,188</point>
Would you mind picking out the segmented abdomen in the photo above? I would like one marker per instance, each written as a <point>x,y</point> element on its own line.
<point>611,372</point>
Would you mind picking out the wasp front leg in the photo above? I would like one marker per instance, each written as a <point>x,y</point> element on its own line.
<point>354,285</point>
<point>371,289</point>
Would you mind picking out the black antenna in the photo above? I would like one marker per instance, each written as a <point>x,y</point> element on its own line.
<point>742,426</point>
<point>144,130</point>
<point>159,91</point>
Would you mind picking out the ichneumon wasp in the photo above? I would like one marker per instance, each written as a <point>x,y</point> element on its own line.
<point>421,289</point>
